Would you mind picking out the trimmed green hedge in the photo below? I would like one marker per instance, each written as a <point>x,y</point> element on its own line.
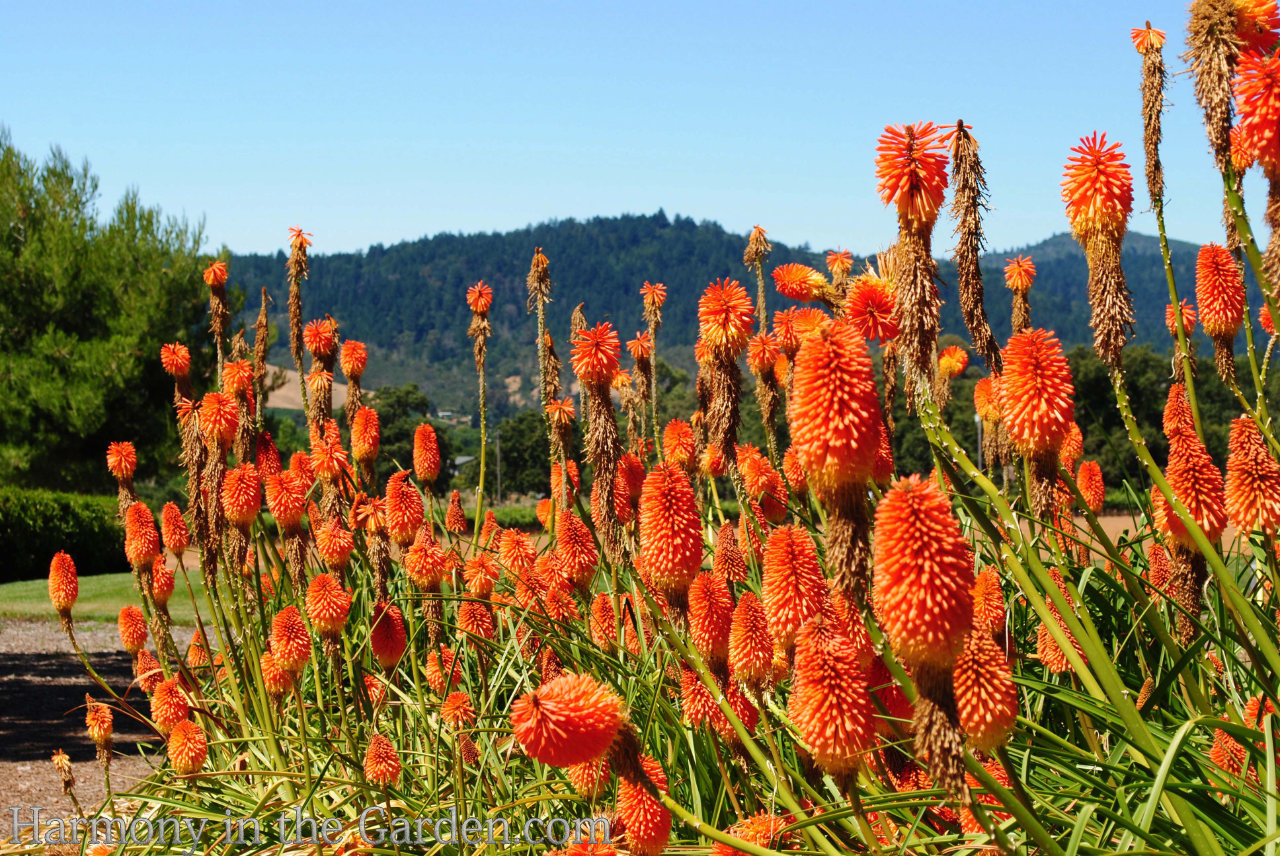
<point>35,524</point>
<point>509,516</point>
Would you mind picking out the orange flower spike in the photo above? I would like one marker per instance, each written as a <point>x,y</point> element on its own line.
<point>988,601</point>
<point>761,829</point>
<point>1178,420</point>
<point>480,298</point>
<point>1089,480</point>
<point>784,327</point>
<point>985,400</point>
<point>455,519</point>
<point>710,615</point>
<point>328,605</point>
<point>1253,480</point>
<point>986,697</point>
<point>1019,273</point>
<point>426,454</point>
<point>839,261</point>
<point>480,573</point>
<point>1257,97</point>
<point>726,317</point>
<point>678,444</point>
<point>798,282</point>
<point>696,702</point>
<point>570,720</point>
<point>381,762</point>
<point>267,456</point>
<point>219,420</point>
<point>830,705</point>
<point>590,781</point>
<point>953,361</point>
<point>169,705</point>
<point>543,511</point>
<point>1097,188</point>
<point>149,673</point>
<point>276,679</point>
<point>425,561</point>
<point>187,749</point>
<point>215,275</point>
<point>792,583</point>
<point>560,412</point>
<point>1146,38</point>
<point>641,347</point>
<point>353,359</point>
<point>1198,485</point>
<point>175,359</point>
<point>1219,292</point>
<point>319,381</point>
<point>923,574</point>
<point>476,619</point>
<point>64,584</point>
<point>654,294</point>
<point>631,470</point>
<point>387,637</point>
<point>603,622</point>
<point>443,670</point>
<point>750,641</point>
<point>334,544</point>
<point>320,337</point>
<point>648,821</point>
<point>286,495</point>
<point>595,355</point>
<point>727,561</point>
<point>290,642</point>
<point>762,353</point>
<point>911,170</point>
<point>197,654</point>
<point>870,307</point>
<point>133,629</point>
<point>162,581</point>
<point>98,720</point>
<point>241,495</point>
<point>122,461</point>
<point>404,509</point>
<point>794,471</point>
<point>376,689</point>
<point>141,539</point>
<point>517,552</point>
<point>1072,449</point>
<point>834,410</point>
<point>1036,393</point>
<point>457,710</point>
<point>365,435</point>
<point>670,529</point>
<point>575,548</point>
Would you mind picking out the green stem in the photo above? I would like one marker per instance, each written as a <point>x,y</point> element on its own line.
<point>1184,352</point>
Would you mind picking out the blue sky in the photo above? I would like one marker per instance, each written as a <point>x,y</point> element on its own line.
<point>374,123</point>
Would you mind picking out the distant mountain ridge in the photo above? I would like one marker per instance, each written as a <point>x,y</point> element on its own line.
<point>405,301</point>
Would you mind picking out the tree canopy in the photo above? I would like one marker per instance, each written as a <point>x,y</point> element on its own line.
<point>86,303</point>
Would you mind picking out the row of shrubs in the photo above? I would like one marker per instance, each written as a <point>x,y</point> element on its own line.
<point>35,524</point>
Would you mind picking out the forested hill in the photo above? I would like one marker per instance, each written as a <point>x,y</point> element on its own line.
<point>406,301</point>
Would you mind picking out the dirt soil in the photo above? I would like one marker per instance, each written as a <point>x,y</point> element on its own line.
<point>42,688</point>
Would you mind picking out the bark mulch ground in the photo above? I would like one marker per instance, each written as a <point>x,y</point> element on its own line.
<point>42,688</point>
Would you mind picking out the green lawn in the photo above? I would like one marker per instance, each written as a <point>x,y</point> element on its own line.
<point>101,597</point>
